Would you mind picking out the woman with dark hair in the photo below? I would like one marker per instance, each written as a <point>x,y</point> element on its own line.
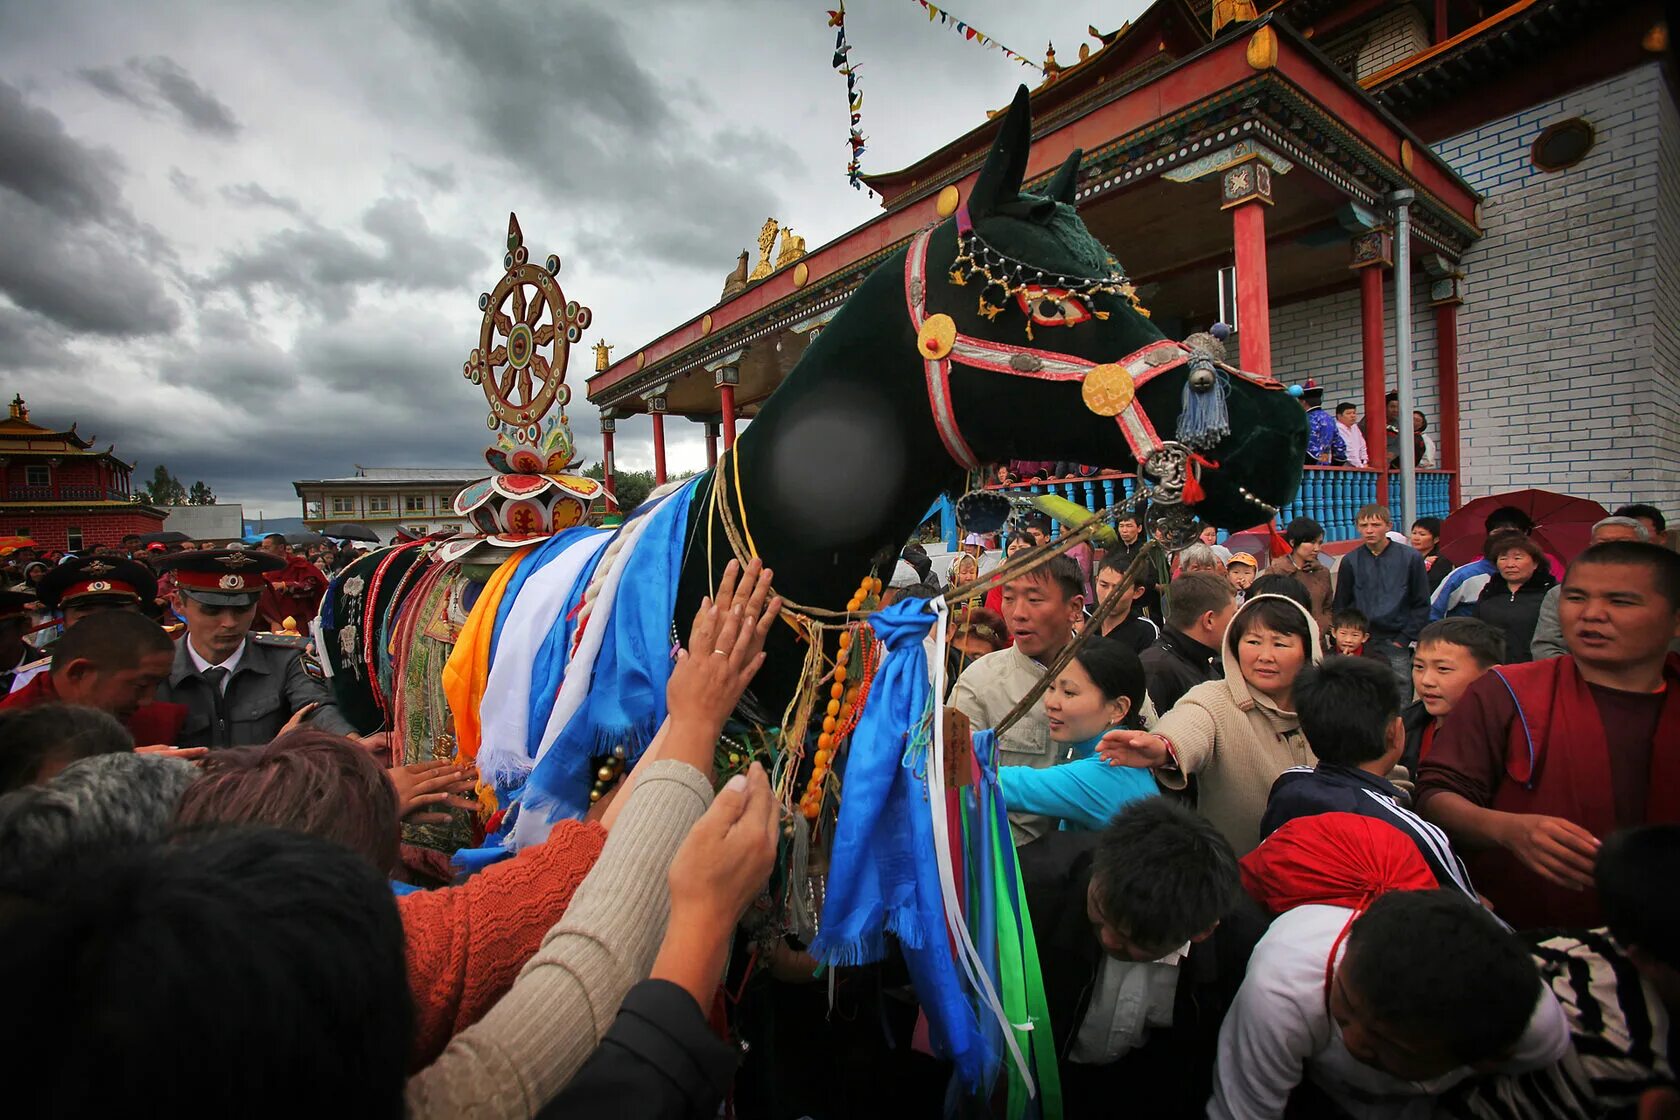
<point>1510,603</point>
<point>1236,735</point>
<point>1426,538</point>
<point>465,944</point>
<point>1101,689</point>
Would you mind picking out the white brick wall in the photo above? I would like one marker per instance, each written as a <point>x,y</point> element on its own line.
<point>1320,338</point>
<point>1394,36</point>
<point>1569,346</point>
<point>1664,467</point>
<point>1562,382</point>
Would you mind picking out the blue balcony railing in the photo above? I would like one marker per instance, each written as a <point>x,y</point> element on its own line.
<point>1329,495</point>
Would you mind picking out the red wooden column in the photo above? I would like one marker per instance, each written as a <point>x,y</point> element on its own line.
<point>608,425</point>
<point>711,442</point>
<point>1445,296</point>
<point>656,409</point>
<point>1246,191</point>
<point>726,378</point>
<point>1372,253</point>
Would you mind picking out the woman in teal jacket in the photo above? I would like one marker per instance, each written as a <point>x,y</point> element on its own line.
<point>1102,688</point>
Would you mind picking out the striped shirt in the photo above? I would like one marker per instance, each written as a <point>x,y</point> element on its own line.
<point>1618,1039</point>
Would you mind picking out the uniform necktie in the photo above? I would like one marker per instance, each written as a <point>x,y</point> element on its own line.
<point>216,674</point>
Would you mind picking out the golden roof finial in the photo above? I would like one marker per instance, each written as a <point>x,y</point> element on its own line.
<point>603,359</point>
<point>20,411</point>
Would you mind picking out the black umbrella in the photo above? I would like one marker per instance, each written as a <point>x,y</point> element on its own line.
<point>304,536</point>
<point>169,537</point>
<point>350,531</point>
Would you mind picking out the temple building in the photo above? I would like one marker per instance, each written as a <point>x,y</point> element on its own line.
<point>61,492</point>
<point>1256,171</point>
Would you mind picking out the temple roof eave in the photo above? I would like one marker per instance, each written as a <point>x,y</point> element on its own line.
<point>1297,101</point>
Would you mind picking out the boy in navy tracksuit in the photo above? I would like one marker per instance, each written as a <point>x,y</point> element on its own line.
<point>1349,709</point>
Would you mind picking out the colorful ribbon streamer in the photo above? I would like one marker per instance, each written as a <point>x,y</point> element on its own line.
<point>854,96</point>
<point>974,34</point>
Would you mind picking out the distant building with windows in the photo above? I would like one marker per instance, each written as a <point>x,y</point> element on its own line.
<point>60,492</point>
<point>414,500</point>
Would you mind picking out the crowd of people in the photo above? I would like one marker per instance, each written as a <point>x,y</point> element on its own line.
<point>1298,838</point>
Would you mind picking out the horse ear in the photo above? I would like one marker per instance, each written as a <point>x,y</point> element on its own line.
<point>1062,184</point>
<point>1006,164</point>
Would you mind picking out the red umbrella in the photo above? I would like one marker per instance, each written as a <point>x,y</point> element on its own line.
<point>1562,524</point>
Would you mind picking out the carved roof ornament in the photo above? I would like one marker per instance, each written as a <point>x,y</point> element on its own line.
<point>766,242</point>
<point>793,247</point>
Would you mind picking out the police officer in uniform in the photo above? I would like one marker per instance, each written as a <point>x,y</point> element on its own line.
<point>240,688</point>
<point>84,586</point>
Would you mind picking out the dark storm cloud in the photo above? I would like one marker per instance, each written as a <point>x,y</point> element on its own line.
<point>69,248</point>
<point>673,193</point>
<point>29,343</point>
<point>83,276</point>
<point>160,83</point>
<point>45,164</point>
<point>254,195</point>
<point>323,268</point>
<point>185,185</point>
<point>439,178</point>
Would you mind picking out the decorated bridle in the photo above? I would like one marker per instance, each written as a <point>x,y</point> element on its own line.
<point>1108,388</point>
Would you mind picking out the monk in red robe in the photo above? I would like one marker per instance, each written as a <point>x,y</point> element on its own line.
<point>294,592</point>
<point>113,661</point>
<point>1539,762</point>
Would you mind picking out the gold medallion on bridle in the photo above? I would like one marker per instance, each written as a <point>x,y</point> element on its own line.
<point>1107,389</point>
<point>937,336</point>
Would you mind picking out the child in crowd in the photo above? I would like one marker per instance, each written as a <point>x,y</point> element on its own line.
<point>1350,630</point>
<point>1349,709</point>
<point>1240,569</point>
<point>1451,655</point>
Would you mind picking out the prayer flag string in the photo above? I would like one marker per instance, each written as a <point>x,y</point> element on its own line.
<point>855,139</point>
<point>973,34</point>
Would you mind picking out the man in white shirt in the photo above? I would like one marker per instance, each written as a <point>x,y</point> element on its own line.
<point>1382,1010</point>
<point>1347,423</point>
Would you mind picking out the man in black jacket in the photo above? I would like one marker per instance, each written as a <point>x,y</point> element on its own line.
<point>1187,653</point>
<point>1132,540</point>
<point>1143,935</point>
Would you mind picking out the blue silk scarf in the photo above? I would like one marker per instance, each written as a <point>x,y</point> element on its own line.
<point>626,701</point>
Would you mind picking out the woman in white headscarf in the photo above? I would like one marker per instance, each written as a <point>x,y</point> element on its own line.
<point>1239,733</point>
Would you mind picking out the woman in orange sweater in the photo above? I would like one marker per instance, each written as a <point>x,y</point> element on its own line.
<point>465,944</point>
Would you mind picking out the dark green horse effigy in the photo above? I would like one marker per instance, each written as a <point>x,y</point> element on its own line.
<point>540,647</point>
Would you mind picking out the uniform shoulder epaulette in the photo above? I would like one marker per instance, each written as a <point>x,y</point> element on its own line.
<point>280,641</point>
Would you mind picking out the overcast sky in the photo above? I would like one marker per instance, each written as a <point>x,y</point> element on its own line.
<point>247,239</point>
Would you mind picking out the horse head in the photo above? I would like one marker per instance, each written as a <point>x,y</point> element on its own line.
<point>1037,347</point>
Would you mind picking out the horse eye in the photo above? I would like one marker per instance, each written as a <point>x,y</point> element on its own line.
<point>1050,308</point>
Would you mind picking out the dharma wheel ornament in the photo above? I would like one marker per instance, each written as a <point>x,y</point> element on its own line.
<point>524,341</point>
<point>525,336</point>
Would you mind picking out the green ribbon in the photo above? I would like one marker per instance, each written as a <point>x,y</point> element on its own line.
<point>1023,988</point>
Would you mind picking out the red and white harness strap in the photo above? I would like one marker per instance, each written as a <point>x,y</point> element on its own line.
<point>1144,366</point>
<point>1020,361</point>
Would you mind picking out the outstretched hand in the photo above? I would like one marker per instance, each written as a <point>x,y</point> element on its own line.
<point>427,791</point>
<point>718,871</point>
<point>725,647</point>
<point>1142,749</point>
